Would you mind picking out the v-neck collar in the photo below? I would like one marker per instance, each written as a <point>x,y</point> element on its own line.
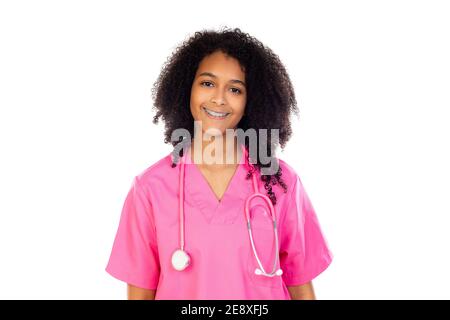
<point>215,211</point>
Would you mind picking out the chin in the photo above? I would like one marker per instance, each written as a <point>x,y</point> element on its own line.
<point>214,131</point>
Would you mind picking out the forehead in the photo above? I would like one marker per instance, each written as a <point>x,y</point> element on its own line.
<point>221,65</point>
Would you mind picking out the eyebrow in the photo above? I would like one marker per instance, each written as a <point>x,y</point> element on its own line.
<point>214,76</point>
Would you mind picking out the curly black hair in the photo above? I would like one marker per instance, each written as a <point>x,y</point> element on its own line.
<point>270,94</point>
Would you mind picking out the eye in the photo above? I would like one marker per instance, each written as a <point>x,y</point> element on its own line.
<point>209,84</point>
<point>238,91</point>
<point>205,82</point>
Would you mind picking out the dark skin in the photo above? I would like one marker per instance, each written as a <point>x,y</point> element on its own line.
<point>301,292</point>
<point>219,85</point>
<point>215,86</point>
<point>269,93</point>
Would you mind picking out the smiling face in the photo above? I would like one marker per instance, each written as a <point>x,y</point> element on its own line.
<point>218,93</point>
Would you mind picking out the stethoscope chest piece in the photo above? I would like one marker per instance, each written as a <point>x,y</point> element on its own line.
<point>180,260</point>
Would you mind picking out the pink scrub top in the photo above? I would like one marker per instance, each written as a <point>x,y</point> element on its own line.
<point>216,237</point>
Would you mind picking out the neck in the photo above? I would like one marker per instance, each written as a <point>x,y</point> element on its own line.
<point>216,154</point>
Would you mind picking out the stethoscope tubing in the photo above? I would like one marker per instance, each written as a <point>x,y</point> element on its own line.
<point>256,193</point>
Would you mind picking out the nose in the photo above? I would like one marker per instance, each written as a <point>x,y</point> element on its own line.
<point>218,98</point>
<point>218,101</point>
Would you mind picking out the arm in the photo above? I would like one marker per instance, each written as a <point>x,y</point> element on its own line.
<point>302,292</point>
<point>136,293</point>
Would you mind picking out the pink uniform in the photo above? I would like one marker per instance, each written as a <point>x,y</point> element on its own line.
<point>216,236</point>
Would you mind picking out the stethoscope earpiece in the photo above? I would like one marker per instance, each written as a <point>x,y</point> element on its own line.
<point>258,272</point>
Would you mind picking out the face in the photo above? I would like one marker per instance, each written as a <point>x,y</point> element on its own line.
<point>218,93</point>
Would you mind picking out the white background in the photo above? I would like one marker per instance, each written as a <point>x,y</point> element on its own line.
<point>371,144</point>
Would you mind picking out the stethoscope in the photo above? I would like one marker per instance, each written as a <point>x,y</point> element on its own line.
<point>181,259</point>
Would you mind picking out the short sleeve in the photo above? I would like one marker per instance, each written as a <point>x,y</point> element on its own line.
<point>134,256</point>
<point>304,252</point>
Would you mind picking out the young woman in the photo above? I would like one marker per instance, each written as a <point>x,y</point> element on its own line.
<point>193,228</point>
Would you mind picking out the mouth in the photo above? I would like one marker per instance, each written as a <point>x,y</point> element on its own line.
<point>216,115</point>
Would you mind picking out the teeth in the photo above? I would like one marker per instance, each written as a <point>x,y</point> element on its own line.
<point>216,114</point>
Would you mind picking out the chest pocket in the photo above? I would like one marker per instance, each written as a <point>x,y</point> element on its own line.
<point>260,218</point>
<point>264,241</point>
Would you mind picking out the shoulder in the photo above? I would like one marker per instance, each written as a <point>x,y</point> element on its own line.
<point>288,174</point>
<point>157,172</point>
